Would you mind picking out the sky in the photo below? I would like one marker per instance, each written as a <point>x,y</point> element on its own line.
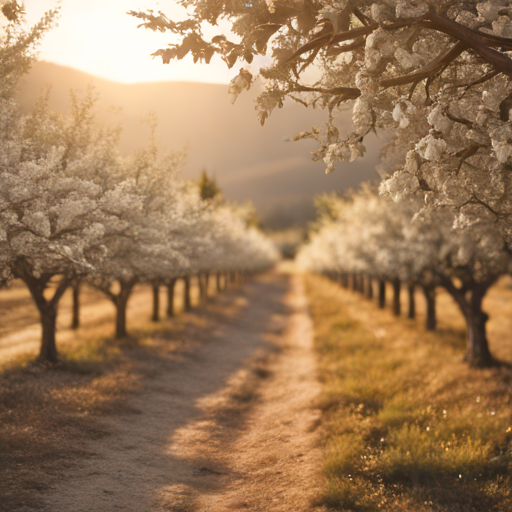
<point>98,37</point>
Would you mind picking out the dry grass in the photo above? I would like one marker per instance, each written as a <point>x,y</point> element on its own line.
<point>48,413</point>
<point>408,426</point>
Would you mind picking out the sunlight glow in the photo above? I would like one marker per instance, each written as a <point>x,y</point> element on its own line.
<point>98,37</point>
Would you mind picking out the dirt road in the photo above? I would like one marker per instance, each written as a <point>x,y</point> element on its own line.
<point>225,423</point>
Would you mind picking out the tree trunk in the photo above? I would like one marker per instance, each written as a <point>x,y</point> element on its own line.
<point>48,352</point>
<point>202,291</point>
<point>430,297</point>
<point>369,290</point>
<point>121,331</point>
<point>121,303</point>
<point>354,282</point>
<point>362,284</point>
<point>345,280</point>
<point>170,297</point>
<point>478,353</point>
<point>217,280</point>
<point>48,313</point>
<point>75,321</point>
<point>187,306</point>
<point>469,300</point>
<point>206,285</point>
<point>382,294</point>
<point>396,297</point>
<point>412,302</point>
<point>156,303</point>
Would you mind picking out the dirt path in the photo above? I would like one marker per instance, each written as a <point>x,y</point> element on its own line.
<point>226,423</point>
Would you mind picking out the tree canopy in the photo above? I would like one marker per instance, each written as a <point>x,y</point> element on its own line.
<point>433,77</point>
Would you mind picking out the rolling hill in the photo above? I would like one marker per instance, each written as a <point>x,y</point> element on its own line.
<point>249,161</point>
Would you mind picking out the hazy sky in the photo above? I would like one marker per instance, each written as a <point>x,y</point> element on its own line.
<point>97,36</point>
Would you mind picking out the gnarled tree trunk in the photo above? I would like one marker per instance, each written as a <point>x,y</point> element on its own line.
<point>469,298</point>
<point>170,297</point>
<point>206,285</point>
<point>382,294</point>
<point>155,317</point>
<point>396,296</point>
<point>121,303</point>
<point>202,290</point>
<point>430,297</point>
<point>48,309</point>
<point>412,301</point>
<point>187,305</point>
<point>369,289</point>
<point>75,320</point>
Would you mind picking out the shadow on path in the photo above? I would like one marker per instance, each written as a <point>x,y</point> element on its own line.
<point>211,383</point>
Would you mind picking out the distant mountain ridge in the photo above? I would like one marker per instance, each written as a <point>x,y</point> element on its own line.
<point>249,161</point>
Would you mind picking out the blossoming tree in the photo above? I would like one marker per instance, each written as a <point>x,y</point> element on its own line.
<point>433,75</point>
<point>386,239</point>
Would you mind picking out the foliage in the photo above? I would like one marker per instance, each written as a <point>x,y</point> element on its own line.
<point>372,235</point>
<point>73,208</point>
<point>433,76</point>
<point>208,188</point>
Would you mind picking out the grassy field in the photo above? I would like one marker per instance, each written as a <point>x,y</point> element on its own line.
<point>407,425</point>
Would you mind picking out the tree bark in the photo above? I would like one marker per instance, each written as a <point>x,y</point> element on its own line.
<point>430,297</point>
<point>75,321</point>
<point>206,285</point>
<point>170,297</point>
<point>121,302</point>
<point>48,352</point>
<point>412,302</point>
<point>202,290</point>
<point>478,353</point>
<point>382,294</point>
<point>469,298</point>
<point>156,303</point>
<point>47,311</point>
<point>369,290</point>
<point>396,296</point>
<point>354,283</point>
<point>187,306</point>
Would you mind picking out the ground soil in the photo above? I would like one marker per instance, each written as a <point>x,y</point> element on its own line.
<point>225,419</point>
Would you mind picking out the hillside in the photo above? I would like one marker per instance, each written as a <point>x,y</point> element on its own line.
<point>250,162</point>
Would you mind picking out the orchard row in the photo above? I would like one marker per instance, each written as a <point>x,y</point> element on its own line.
<point>369,237</point>
<point>73,209</point>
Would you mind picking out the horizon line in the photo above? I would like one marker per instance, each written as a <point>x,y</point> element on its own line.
<point>120,82</point>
